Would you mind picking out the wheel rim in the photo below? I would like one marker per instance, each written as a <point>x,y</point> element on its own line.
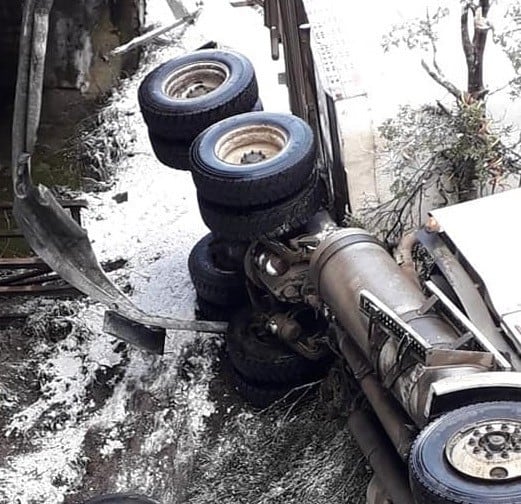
<point>251,145</point>
<point>196,80</point>
<point>488,450</point>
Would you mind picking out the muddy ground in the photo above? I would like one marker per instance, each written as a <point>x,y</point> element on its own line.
<point>171,427</point>
<point>82,413</point>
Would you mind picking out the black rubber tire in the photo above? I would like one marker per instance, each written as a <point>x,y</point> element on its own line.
<point>259,396</point>
<point>121,498</point>
<point>184,119</point>
<point>435,481</point>
<point>258,107</point>
<point>267,360</point>
<point>175,153</point>
<point>260,183</point>
<point>209,311</point>
<point>171,153</point>
<point>273,220</point>
<point>218,286</point>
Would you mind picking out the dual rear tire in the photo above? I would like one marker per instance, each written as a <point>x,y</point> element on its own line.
<point>184,96</point>
<point>264,368</point>
<point>218,277</point>
<point>255,175</point>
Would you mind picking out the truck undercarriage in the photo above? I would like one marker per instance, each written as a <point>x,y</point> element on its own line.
<point>429,347</point>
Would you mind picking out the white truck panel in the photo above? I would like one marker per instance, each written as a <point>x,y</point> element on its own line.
<point>338,78</point>
<point>486,232</point>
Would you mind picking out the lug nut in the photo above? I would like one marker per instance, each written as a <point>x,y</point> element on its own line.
<point>489,428</point>
<point>290,291</point>
<point>505,455</point>
<point>517,447</point>
<point>476,449</point>
<point>488,456</point>
<point>504,427</point>
<point>476,433</point>
<point>472,441</point>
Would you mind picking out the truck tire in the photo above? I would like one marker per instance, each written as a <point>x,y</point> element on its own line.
<point>258,107</point>
<point>259,396</point>
<point>262,358</point>
<point>121,498</point>
<point>175,153</point>
<point>186,95</point>
<point>272,220</point>
<point>253,159</point>
<point>219,286</point>
<point>171,153</point>
<point>440,459</point>
<point>210,311</point>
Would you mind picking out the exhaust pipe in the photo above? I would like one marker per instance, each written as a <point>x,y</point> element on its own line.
<point>377,450</point>
<point>351,260</point>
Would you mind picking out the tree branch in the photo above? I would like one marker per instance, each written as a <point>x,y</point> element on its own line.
<point>444,109</point>
<point>433,45</point>
<point>442,81</point>
<point>480,40</point>
<point>509,33</point>
<point>468,49</point>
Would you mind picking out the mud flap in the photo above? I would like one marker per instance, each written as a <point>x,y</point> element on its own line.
<point>148,338</point>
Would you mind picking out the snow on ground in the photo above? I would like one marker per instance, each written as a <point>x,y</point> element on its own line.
<point>397,78</point>
<point>82,413</point>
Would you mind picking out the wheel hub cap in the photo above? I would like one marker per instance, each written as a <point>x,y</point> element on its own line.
<point>487,450</point>
<point>195,80</point>
<point>251,144</point>
<point>253,157</point>
<point>198,89</point>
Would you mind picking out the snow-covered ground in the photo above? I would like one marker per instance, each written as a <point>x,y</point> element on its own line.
<point>83,414</point>
<point>397,78</point>
<point>394,78</point>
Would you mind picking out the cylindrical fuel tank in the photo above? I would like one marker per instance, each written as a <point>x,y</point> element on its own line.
<point>351,260</point>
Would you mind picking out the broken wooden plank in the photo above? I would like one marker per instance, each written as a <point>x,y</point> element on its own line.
<point>23,290</point>
<point>152,34</point>
<point>75,203</point>
<point>22,263</point>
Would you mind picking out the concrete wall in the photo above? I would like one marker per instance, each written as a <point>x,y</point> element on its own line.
<point>10,19</point>
<point>82,32</point>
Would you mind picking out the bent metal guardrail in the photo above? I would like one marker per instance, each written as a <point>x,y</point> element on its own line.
<point>61,242</point>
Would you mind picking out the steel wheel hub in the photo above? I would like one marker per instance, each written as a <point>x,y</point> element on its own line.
<point>198,89</point>
<point>195,80</point>
<point>249,145</point>
<point>253,157</point>
<point>488,450</point>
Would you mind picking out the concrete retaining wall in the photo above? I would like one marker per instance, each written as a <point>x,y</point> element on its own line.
<point>82,32</point>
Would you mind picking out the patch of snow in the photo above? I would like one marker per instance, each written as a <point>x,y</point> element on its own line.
<point>396,77</point>
<point>111,446</point>
<point>51,436</point>
<point>52,466</point>
<point>66,374</point>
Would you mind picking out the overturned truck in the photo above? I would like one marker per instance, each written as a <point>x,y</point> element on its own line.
<point>431,360</point>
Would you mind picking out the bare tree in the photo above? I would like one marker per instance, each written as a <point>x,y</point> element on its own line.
<point>456,150</point>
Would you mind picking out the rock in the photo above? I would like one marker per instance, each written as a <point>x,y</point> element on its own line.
<point>120,197</point>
